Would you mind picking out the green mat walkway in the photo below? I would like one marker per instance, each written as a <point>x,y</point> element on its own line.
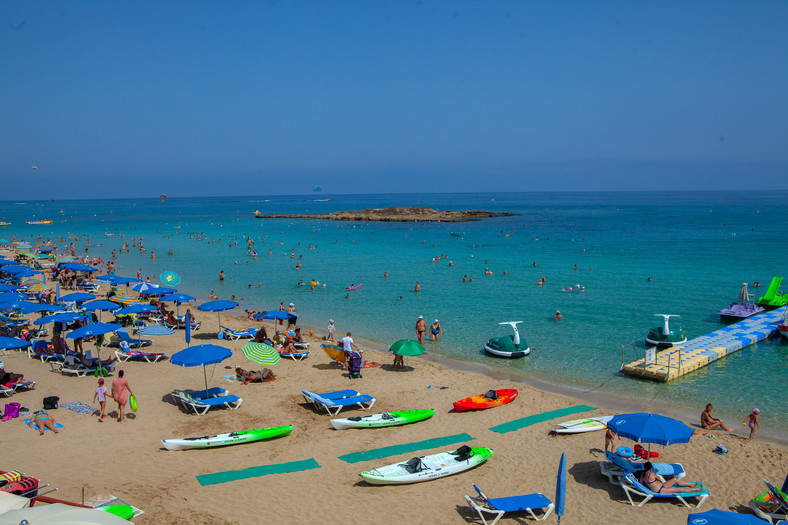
<point>253,472</point>
<point>377,453</point>
<point>517,424</point>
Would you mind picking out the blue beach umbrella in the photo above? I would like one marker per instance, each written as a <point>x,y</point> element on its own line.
<point>117,279</point>
<point>150,288</point>
<point>560,488</point>
<point>78,267</point>
<point>46,248</point>
<point>7,297</point>
<point>217,306</point>
<point>11,263</point>
<point>22,306</point>
<point>62,317</point>
<point>93,330</point>
<point>6,287</point>
<point>13,270</point>
<point>721,517</point>
<point>39,308</point>
<point>178,298</point>
<point>273,314</point>
<point>9,343</point>
<point>107,306</point>
<point>136,309</point>
<point>188,328</point>
<point>651,428</point>
<point>77,297</point>
<point>201,355</point>
<point>28,272</point>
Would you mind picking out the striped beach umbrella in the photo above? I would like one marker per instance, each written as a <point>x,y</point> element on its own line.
<point>155,330</point>
<point>261,353</point>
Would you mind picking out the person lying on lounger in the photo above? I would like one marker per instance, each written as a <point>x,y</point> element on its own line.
<point>90,363</point>
<point>8,377</point>
<point>41,421</point>
<point>671,486</point>
<point>262,337</point>
<point>253,375</point>
<point>287,347</point>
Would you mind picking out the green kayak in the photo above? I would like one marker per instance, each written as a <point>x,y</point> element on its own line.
<point>386,419</point>
<point>223,440</point>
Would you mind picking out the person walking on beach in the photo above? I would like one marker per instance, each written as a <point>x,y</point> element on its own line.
<point>331,330</point>
<point>348,345</point>
<point>435,330</point>
<point>752,422</point>
<point>710,422</point>
<point>120,393</point>
<point>421,327</point>
<point>100,394</point>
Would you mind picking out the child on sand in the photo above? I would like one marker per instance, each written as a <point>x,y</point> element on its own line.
<point>331,330</point>
<point>101,396</point>
<point>752,422</point>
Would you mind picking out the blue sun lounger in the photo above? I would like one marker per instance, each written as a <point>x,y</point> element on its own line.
<point>497,507</point>
<point>202,405</point>
<point>309,396</point>
<point>632,486</point>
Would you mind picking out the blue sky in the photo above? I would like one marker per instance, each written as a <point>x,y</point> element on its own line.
<point>230,98</point>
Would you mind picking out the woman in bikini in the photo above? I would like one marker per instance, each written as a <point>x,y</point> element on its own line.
<point>671,486</point>
<point>41,421</point>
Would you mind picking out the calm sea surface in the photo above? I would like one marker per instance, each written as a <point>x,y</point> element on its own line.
<point>696,247</point>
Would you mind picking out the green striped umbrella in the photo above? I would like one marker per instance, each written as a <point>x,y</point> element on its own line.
<point>261,353</point>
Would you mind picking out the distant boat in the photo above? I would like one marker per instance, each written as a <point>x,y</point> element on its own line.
<point>742,309</point>
<point>38,222</point>
<point>5,223</point>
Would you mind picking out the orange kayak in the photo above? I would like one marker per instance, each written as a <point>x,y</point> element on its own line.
<point>501,397</point>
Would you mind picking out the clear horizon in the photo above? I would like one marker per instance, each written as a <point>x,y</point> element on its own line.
<point>193,99</point>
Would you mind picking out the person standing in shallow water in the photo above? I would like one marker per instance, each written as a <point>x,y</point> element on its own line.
<point>417,288</point>
<point>421,327</point>
<point>221,275</point>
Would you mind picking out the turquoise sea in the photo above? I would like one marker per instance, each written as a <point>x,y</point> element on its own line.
<point>697,248</point>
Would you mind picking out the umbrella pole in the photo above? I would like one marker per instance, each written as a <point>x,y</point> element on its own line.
<point>205,377</point>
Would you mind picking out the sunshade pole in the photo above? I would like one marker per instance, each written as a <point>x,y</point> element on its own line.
<point>205,377</point>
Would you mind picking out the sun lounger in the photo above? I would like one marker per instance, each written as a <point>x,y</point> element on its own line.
<point>5,391</point>
<point>202,406</point>
<point>124,353</point>
<point>124,337</point>
<point>22,385</point>
<point>211,392</point>
<point>632,486</point>
<point>771,506</point>
<point>616,466</point>
<point>333,406</point>
<point>299,356</point>
<point>497,507</point>
<point>181,325</point>
<point>309,396</point>
<point>235,335</point>
<point>44,351</point>
<point>75,367</point>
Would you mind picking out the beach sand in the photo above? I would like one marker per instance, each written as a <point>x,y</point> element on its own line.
<point>128,461</point>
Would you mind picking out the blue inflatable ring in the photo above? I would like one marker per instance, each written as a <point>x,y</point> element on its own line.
<point>625,452</point>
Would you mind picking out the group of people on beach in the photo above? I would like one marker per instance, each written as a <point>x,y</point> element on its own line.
<point>421,327</point>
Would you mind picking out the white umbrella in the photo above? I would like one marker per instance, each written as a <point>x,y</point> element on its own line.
<point>744,294</point>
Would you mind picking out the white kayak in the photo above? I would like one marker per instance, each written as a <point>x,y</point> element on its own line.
<point>387,419</point>
<point>224,440</point>
<point>426,468</point>
<point>578,426</point>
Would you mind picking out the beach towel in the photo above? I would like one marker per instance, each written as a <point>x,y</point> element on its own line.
<point>79,408</point>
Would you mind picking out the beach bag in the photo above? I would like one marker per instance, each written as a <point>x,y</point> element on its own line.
<point>492,395</point>
<point>50,402</point>
<point>11,411</point>
<point>719,450</point>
